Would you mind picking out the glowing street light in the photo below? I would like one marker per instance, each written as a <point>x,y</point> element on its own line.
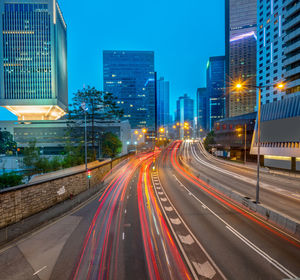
<point>144,130</point>
<point>136,132</point>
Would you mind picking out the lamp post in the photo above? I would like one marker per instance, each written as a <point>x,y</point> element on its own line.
<point>245,147</point>
<point>240,86</point>
<point>85,109</point>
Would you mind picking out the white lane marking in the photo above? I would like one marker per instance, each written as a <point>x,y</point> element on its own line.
<point>160,193</point>
<point>123,235</point>
<point>175,221</point>
<point>38,271</point>
<point>205,269</point>
<point>169,209</point>
<point>127,196</point>
<point>125,211</point>
<point>188,239</point>
<point>163,199</point>
<point>265,255</point>
<point>177,238</point>
<point>262,253</point>
<point>191,233</point>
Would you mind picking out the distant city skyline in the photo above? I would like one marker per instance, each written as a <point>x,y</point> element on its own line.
<point>181,48</point>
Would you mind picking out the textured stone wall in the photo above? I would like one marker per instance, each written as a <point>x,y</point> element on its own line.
<point>23,201</point>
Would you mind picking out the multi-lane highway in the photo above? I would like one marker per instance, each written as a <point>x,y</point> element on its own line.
<point>281,193</point>
<point>154,221</point>
<point>241,245</point>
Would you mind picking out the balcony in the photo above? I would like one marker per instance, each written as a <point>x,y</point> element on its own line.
<point>292,72</point>
<point>292,10</point>
<point>292,59</point>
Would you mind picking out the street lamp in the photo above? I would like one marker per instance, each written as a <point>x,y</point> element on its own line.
<point>240,86</point>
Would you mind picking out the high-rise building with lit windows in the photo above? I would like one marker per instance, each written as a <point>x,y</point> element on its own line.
<point>130,77</point>
<point>215,86</point>
<point>240,53</point>
<point>278,61</point>
<point>33,59</point>
<point>270,49</point>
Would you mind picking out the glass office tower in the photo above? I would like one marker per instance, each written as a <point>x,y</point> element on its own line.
<point>130,77</point>
<point>240,53</point>
<point>201,108</point>
<point>215,85</point>
<point>33,59</point>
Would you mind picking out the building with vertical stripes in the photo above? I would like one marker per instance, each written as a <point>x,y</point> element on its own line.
<point>33,59</point>
<point>240,55</point>
<point>278,60</point>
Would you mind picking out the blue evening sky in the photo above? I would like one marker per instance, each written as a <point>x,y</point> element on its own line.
<point>183,34</point>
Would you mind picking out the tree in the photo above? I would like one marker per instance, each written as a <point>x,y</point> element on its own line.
<point>209,140</point>
<point>111,145</point>
<point>7,144</point>
<point>100,105</point>
<point>31,155</point>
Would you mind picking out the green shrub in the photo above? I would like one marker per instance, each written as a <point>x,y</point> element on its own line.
<point>10,180</point>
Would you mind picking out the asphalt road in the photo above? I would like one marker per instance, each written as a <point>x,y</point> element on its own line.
<point>118,234</point>
<point>242,246</point>
<point>280,193</point>
<point>160,223</point>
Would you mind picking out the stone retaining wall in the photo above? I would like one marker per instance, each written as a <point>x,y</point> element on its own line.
<point>22,201</point>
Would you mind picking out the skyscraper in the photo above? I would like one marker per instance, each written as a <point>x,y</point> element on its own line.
<point>270,50</point>
<point>278,61</point>
<point>240,53</point>
<point>184,113</point>
<point>33,59</point>
<point>215,85</point>
<point>130,77</point>
<point>185,109</point>
<point>163,102</point>
<point>201,108</point>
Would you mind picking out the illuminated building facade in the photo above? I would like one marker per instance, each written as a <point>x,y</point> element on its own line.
<point>240,53</point>
<point>130,77</point>
<point>269,50</point>
<point>33,59</point>
<point>279,61</point>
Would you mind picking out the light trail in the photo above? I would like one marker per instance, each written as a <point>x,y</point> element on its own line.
<point>218,195</point>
